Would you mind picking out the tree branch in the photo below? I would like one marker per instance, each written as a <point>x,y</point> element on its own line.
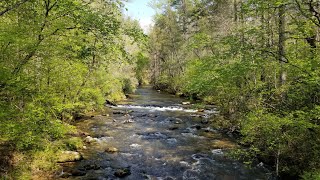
<point>13,7</point>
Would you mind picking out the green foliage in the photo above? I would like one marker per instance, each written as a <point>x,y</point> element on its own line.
<point>92,98</point>
<point>311,175</point>
<point>259,65</point>
<point>142,68</point>
<point>59,59</point>
<point>72,144</point>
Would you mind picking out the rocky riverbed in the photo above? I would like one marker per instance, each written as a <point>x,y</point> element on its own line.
<point>154,136</point>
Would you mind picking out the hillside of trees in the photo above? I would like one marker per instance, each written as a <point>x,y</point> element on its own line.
<point>258,61</point>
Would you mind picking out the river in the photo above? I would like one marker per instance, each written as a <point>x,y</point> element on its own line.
<point>158,138</point>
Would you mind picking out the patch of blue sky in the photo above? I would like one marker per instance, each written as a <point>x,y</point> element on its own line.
<point>141,11</point>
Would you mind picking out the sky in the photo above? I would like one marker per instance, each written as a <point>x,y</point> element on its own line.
<point>139,10</point>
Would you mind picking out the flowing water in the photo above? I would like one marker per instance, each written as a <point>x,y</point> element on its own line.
<point>158,138</point>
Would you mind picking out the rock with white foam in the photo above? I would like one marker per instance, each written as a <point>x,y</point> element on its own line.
<point>218,152</point>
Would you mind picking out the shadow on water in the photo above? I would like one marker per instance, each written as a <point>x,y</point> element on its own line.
<point>157,138</point>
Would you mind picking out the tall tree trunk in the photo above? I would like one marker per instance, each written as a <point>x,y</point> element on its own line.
<point>281,43</point>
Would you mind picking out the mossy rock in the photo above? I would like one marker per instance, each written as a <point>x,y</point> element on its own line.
<point>69,156</point>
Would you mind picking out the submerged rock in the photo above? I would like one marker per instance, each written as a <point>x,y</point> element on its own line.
<point>196,126</point>
<point>111,150</point>
<point>69,156</point>
<point>173,128</point>
<point>204,121</point>
<point>78,172</point>
<point>91,166</point>
<point>118,112</point>
<point>122,172</point>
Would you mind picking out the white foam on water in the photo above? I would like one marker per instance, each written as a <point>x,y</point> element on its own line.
<point>169,108</point>
<point>129,154</point>
<point>103,139</point>
<point>184,163</point>
<point>192,135</point>
<point>135,146</point>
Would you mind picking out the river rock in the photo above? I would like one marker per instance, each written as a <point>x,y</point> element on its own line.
<point>69,156</point>
<point>217,152</point>
<point>118,112</point>
<point>196,126</point>
<point>89,139</point>
<point>186,103</point>
<point>122,172</point>
<point>111,150</point>
<point>65,175</point>
<point>200,110</point>
<point>110,103</point>
<point>128,121</point>
<point>153,115</point>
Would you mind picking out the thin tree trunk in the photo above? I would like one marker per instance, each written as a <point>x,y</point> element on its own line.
<point>235,10</point>
<point>278,161</point>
